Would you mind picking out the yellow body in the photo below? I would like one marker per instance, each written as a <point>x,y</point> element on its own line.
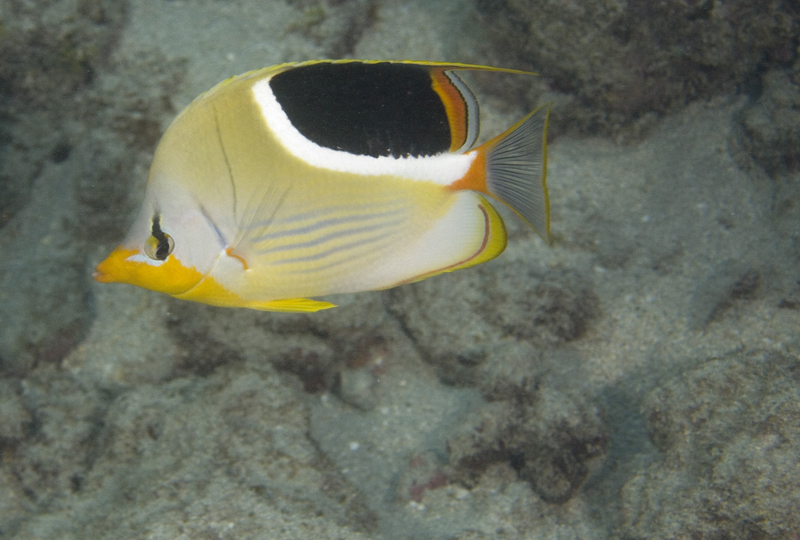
<point>256,226</point>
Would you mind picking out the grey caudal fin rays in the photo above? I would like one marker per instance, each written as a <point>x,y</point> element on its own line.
<point>516,169</point>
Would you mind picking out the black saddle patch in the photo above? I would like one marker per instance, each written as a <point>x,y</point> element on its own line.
<point>382,109</point>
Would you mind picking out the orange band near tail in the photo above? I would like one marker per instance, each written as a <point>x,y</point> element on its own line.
<point>475,179</point>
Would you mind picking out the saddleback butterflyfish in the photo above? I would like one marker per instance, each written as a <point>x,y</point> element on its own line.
<point>314,178</point>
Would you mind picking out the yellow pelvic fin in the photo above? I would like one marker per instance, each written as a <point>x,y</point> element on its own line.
<point>210,291</point>
<point>291,305</point>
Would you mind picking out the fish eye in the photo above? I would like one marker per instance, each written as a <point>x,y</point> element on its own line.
<point>159,247</point>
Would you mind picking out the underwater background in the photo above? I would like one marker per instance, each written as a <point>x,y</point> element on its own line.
<point>639,378</point>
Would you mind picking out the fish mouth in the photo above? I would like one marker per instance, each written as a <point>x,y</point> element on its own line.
<point>103,274</point>
<point>108,271</point>
<point>102,277</point>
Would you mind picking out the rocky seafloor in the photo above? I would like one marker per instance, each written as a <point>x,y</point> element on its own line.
<point>639,378</point>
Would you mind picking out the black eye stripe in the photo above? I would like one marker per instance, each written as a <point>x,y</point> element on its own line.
<point>163,250</point>
<point>156,229</point>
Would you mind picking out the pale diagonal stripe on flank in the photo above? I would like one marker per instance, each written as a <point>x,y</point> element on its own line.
<point>335,235</point>
<point>370,249</point>
<point>321,224</point>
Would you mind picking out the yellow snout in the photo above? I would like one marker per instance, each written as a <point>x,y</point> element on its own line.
<point>130,266</point>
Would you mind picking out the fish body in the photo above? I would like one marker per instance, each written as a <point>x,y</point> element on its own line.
<point>323,177</point>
